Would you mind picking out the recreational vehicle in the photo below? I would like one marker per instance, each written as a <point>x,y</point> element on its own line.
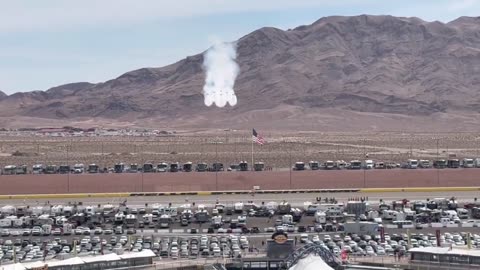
<point>187,167</point>
<point>453,163</point>
<point>174,167</point>
<point>133,168</point>
<point>164,221</point>
<point>259,166</point>
<point>119,168</point>
<point>147,168</point>
<point>412,164</point>
<point>369,164</point>
<point>299,166</point>
<point>424,164</point>
<point>329,165</point>
<point>64,169</point>
<point>216,167</point>
<point>37,169</point>
<point>314,165</point>
<point>355,165</point>
<point>201,167</point>
<point>51,169</point>
<point>440,164</point>
<point>162,167</point>
<point>92,168</point>
<point>10,170</point>
<point>468,163</point>
<point>243,166</point>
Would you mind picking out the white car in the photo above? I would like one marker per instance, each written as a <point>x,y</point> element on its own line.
<point>174,253</point>
<point>303,238</point>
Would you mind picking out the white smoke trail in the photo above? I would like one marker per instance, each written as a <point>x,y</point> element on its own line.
<point>221,72</point>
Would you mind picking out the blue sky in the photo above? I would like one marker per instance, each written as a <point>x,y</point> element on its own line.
<point>51,42</point>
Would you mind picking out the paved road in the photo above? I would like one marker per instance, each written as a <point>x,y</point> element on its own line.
<point>296,199</point>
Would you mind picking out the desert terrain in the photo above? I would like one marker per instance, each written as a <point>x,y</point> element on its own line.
<point>280,152</point>
<point>229,147</point>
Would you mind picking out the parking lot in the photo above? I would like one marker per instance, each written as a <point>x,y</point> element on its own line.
<point>223,229</point>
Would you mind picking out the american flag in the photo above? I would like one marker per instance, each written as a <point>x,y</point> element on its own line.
<point>258,138</point>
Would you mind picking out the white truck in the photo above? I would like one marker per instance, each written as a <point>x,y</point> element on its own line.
<point>320,217</point>
<point>130,220</point>
<point>78,168</point>
<point>217,221</point>
<point>287,219</point>
<point>369,164</point>
<point>238,207</point>
<point>165,221</point>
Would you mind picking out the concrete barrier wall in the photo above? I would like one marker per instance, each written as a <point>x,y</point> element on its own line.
<point>210,181</point>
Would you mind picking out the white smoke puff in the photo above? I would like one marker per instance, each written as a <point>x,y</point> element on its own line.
<point>221,72</point>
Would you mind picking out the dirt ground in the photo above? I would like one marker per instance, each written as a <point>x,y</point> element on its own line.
<point>229,147</point>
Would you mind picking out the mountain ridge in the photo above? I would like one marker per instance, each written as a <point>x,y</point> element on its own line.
<point>366,64</point>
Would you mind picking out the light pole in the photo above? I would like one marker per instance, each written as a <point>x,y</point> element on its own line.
<point>438,171</point>
<point>216,167</point>
<point>290,166</point>
<point>68,173</point>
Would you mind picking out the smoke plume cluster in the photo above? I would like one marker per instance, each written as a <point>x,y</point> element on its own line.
<point>221,72</point>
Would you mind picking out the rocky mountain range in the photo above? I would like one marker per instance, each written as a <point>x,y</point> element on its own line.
<point>338,73</point>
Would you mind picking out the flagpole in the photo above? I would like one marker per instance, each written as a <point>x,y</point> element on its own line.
<point>251,168</point>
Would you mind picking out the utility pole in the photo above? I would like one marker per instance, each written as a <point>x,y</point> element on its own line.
<point>216,165</point>
<point>68,173</point>
<point>438,171</point>
<point>290,167</point>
